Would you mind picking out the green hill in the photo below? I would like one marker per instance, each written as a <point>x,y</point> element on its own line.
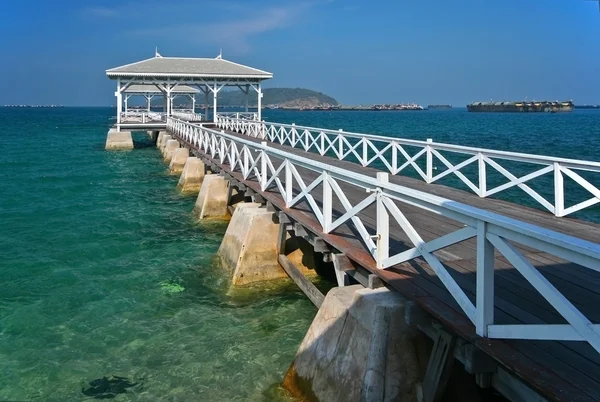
<point>287,97</point>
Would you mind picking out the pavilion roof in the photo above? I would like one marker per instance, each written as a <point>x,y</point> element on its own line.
<point>153,89</point>
<point>178,67</point>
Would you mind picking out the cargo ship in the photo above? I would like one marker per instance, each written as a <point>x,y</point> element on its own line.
<point>523,106</point>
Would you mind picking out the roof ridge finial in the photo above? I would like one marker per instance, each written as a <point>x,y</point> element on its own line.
<point>220,56</point>
<point>156,54</point>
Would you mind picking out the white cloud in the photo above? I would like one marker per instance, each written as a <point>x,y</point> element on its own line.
<point>231,25</point>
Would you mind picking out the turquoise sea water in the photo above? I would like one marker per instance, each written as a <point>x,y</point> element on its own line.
<point>103,270</point>
<point>88,241</point>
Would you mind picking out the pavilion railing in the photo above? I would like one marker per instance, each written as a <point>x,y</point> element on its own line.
<point>425,157</point>
<point>238,115</point>
<point>135,116</point>
<point>187,115</point>
<point>279,172</point>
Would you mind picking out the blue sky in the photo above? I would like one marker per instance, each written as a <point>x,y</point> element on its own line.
<point>359,51</point>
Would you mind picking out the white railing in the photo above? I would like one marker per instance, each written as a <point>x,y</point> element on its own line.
<point>277,171</point>
<point>187,116</point>
<point>397,154</point>
<point>142,117</point>
<point>239,115</point>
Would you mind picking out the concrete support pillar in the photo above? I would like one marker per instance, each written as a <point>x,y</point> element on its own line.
<point>249,247</point>
<point>341,357</point>
<point>153,134</point>
<point>163,144</point>
<point>170,148</point>
<point>213,197</point>
<point>178,160</point>
<point>162,137</point>
<point>118,140</point>
<point>192,175</point>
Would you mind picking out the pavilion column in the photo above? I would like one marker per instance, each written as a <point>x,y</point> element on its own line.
<point>259,103</point>
<point>149,101</point>
<point>193,103</point>
<point>247,96</point>
<point>119,104</point>
<point>169,104</point>
<point>126,100</point>
<point>215,94</point>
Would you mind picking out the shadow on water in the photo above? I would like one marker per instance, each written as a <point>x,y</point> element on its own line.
<point>109,387</point>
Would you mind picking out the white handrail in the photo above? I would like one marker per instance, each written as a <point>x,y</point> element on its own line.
<point>368,149</point>
<point>188,116</point>
<point>239,115</point>
<point>142,116</point>
<point>277,170</point>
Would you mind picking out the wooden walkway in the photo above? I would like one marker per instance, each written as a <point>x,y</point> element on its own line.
<point>562,371</point>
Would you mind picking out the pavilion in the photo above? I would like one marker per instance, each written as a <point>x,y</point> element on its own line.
<point>150,91</point>
<point>167,74</point>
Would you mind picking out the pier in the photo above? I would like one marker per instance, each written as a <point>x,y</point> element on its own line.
<point>505,290</point>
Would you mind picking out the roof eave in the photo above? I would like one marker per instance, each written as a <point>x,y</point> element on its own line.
<point>170,75</point>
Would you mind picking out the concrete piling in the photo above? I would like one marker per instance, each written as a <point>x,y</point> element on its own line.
<point>160,139</point>
<point>192,176</point>
<point>118,140</point>
<point>342,356</point>
<point>180,156</point>
<point>153,134</point>
<point>212,198</point>
<point>169,150</point>
<point>249,246</point>
<point>163,143</point>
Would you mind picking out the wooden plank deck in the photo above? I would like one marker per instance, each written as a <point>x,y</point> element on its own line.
<point>562,371</point>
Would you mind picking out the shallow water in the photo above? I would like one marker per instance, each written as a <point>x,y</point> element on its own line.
<point>89,243</point>
<point>104,271</point>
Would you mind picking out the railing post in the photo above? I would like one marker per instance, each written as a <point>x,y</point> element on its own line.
<point>482,175</point>
<point>429,167</point>
<point>293,134</point>
<point>322,134</point>
<point>340,144</point>
<point>394,158</point>
<point>383,223</point>
<point>246,173</point>
<point>327,203</point>
<point>559,191</point>
<point>306,135</point>
<point>484,315</point>
<point>365,151</point>
<point>263,167</point>
<point>222,149</point>
<point>288,183</point>
<point>263,130</point>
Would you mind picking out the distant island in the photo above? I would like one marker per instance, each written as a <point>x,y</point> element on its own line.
<point>439,107</point>
<point>28,106</point>
<point>285,98</point>
<point>295,99</point>
<point>521,106</point>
